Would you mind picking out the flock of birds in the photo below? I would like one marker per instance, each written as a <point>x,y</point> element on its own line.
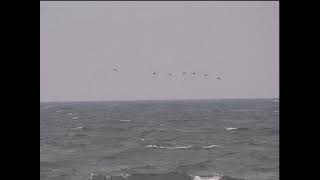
<point>171,74</point>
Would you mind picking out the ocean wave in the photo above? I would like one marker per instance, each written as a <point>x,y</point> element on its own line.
<point>214,177</point>
<point>177,147</point>
<point>168,147</point>
<point>181,147</point>
<point>165,176</point>
<point>75,117</point>
<point>77,128</point>
<point>211,146</point>
<point>230,128</point>
<point>125,120</point>
<point>152,146</point>
<point>192,166</point>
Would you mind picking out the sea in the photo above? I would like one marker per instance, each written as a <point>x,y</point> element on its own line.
<point>221,139</point>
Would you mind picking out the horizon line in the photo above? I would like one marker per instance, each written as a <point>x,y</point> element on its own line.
<point>178,99</point>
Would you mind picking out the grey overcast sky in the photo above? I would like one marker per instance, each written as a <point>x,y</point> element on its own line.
<point>80,43</point>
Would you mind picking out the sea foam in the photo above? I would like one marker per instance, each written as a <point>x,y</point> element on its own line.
<point>230,128</point>
<point>125,120</point>
<point>215,177</point>
<point>77,128</point>
<point>211,146</point>
<point>177,147</point>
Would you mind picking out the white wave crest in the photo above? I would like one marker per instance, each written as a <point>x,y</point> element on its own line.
<point>230,128</point>
<point>215,177</point>
<point>75,117</point>
<point>94,176</point>
<point>125,120</point>
<point>91,176</point>
<point>152,146</point>
<point>166,147</point>
<point>178,147</point>
<point>125,175</point>
<point>77,128</point>
<point>211,146</point>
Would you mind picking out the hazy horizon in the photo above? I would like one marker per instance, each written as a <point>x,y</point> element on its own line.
<point>80,43</point>
<point>156,100</point>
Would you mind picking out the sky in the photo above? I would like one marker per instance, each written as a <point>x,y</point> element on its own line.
<point>80,43</point>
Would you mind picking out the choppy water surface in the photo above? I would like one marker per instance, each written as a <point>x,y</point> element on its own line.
<point>151,140</point>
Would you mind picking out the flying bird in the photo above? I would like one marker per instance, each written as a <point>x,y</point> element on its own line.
<point>219,78</point>
<point>194,73</point>
<point>206,75</point>
<point>154,73</point>
<point>114,69</point>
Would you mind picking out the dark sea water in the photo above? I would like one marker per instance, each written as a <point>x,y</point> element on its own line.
<point>160,140</point>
